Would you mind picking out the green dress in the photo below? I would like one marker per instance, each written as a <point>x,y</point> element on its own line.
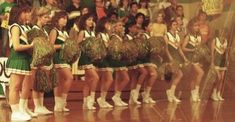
<point>146,61</point>
<point>194,41</point>
<point>18,61</point>
<point>220,55</point>
<point>137,63</point>
<point>60,39</point>
<point>117,64</point>
<point>104,65</point>
<point>173,47</point>
<point>85,62</point>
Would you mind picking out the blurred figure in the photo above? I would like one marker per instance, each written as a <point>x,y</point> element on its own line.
<point>74,12</point>
<point>5,9</point>
<point>219,61</point>
<point>204,26</point>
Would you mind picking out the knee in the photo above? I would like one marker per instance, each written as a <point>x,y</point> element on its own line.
<point>201,73</point>
<point>144,72</point>
<point>179,74</point>
<point>153,74</point>
<point>126,79</point>
<point>69,78</point>
<point>219,77</point>
<point>95,78</point>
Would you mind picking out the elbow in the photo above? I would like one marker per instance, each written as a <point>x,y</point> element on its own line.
<point>16,48</point>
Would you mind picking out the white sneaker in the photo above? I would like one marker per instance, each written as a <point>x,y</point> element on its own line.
<point>145,98</point>
<point>42,110</point>
<point>58,107</point>
<point>108,105</point>
<point>90,103</point>
<point>117,101</point>
<point>32,114</point>
<point>220,97</point>
<point>124,103</point>
<point>134,97</point>
<point>194,96</point>
<point>175,99</point>
<point>101,103</point>
<point>170,95</point>
<point>20,116</point>
<point>214,96</point>
<point>66,109</point>
<point>151,101</point>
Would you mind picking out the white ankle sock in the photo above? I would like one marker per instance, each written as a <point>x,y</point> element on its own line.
<point>36,102</point>
<point>148,90</point>
<point>92,95</point>
<point>15,108</point>
<point>118,93</point>
<point>103,95</point>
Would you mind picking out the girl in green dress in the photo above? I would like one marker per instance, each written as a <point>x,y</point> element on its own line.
<point>104,70</point>
<point>137,71</point>
<point>175,57</point>
<point>219,58</point>
<point>151,71</point>
<point>18,64</point>
<point>121,72</point>
<point>191,42</point>
<point>86,25</point>
<point>41,17</point>
<point>58,36</point>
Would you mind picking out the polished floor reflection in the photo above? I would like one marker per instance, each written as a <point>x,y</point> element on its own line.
<point>205,111</point>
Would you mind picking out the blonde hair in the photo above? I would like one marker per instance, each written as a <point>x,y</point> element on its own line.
<point>38,12</point>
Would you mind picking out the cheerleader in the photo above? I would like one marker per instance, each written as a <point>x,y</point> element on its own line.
<point>137,71</point>
<point>73,34</point>
<point>191,42</point>
<point>121,72</point>
<point>18,64</point>
<point>41,17</point>
<point>151,71</point>
<point>176,57</point>
<point>219,58</point>
<point>58,36</point>
<point>86,25</point>
<point>105,71</point>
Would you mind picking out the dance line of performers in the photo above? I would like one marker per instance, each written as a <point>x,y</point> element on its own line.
<point>108,53</point>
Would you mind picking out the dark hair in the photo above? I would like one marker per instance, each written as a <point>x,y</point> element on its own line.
<point>138,15</point>
<point>83,19</point>
<point>145,24</point>
<point>110,14</point>
<point>170,24</point>
<point>180,6</point>
<point>15,13</point>
<point>100,25</point>
<point>133,3</point>
<point>128,25</point>
<point>56,17</point>
<point>83,7</point>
